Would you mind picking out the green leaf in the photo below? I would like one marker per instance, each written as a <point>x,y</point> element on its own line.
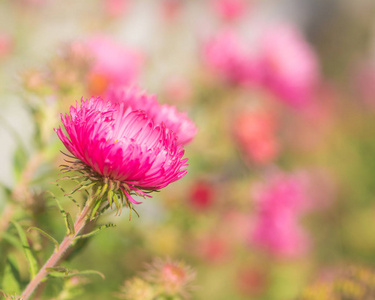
<point>61,272</point>
<point>11,279</point>
<point>33,265</point>
<point>11,240</point>
<point>95,209</point>
<point>19,161</point>
<point>83,236</point>
<point>53,240</point>
<point>69,224</point>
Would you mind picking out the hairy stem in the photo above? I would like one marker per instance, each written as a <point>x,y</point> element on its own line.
<point>80,223</point>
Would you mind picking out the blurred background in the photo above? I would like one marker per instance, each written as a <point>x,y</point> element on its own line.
<point>279,199</point>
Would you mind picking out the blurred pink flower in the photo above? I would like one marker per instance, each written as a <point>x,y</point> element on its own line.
<point>122,144</point>
<point>255,131</point>
<point>213,249</point>
<point>229,9</point>
<point>116,8</point>
<point>201,195</point>
<point>280,203</point>
<point>113,65</point>
<point>174,276</point>
<point>178,122</point>
<point>251,281</point>
<point>171,9</point>
<point>290,66</point>
<point>226,56</point>
<point>364,83</point>
<point>6,45</point>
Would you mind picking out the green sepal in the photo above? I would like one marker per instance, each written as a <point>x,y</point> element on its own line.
<point>87,235</point>
<point>53,240</point>
<point>69,224</point>
<point>95,209</point>
<point>33,265</point>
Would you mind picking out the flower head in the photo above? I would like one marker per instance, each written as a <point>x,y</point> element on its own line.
<point>120,151</point>
<point>290,66</point>
<point>172,276</point>
<point>227,56</point>
<point>176,121</point>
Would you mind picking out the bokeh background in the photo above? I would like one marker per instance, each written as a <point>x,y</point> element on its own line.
<point>279,200</point>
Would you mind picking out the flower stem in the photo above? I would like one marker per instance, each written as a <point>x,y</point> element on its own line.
<point>80,223</point>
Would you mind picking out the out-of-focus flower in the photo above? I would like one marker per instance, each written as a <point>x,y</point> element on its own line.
<point>168,115</point>
<point>349,282</point>
<point>226,56</point>
<point>120,150</point>
<point>251,281</point>
<point>116,8</point>
<point>173,277</point>
<point>290,66</point>
<point>201,195</point>
<point>6,45</point>
<point>365,83</point>
<point>255,131</point>
<point>137,289</point>
<point>212,249</point>
<point>171,9</point>
<point>281,201</point>
<point>112,65</point>
<point>229,9</point>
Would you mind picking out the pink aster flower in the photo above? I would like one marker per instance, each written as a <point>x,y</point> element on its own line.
<point>229,9</point>
<point>121,149</point>
<point>226,56</point>
<point>176,121</point>
<point>113,65</point>
<point>290,66</point>
<point>281,201</point>
<point>256,134</point>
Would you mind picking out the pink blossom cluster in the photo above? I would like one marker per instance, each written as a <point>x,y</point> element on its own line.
<point>229,10</point>
<point>281,201</point>
<point>123,143</point>
<point>176,121</point>
<point>281,62</point>
<point>226,56</point>
<point>255,132</point>
<point>112,65</point>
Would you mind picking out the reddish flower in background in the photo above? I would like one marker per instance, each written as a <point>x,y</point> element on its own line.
<point>229,9</point>
<point>202,195</point>
<point>213,249</point>
<point>226,56</point>
<point>116,8</point>
<point>174,276</point>
<point>171,9</point>
<point>6,45</point>
<point>281,201</point>
<point>123,145</point>
<point>251,281</point>
<point>290,66</point>
<point>113,65</point>
<point>255,131</point>
<point>178,122</point>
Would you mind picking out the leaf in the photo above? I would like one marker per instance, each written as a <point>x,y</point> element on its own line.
<point>53,240</point>
<point>11,279</point>
<point>92,233</point>
<point>11,240</point>
<point>62,272</point>
<point>19,161</point>
<point>69,224</point>
<point>33,265</point>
